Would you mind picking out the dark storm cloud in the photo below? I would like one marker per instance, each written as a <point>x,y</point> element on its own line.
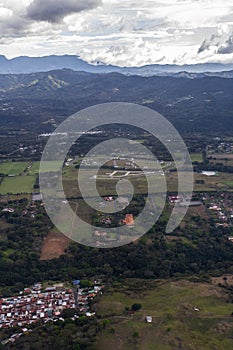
<point>55,10</point>
<point>13,27</point>
<point>228,47</point>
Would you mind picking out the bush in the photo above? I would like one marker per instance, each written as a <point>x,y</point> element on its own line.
<point>136,307</point>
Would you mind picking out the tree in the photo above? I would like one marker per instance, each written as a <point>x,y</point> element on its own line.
<point>85,284</point>
<point>136,307</point>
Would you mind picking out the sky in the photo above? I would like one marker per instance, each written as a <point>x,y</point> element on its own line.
<point>119,32</point>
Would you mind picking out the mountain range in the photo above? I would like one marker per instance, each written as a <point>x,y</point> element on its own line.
<point>25,64</point>
<point>192,105</point>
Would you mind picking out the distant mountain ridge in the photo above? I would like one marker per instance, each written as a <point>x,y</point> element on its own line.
<point>25,64</point>
<point>193,105</point>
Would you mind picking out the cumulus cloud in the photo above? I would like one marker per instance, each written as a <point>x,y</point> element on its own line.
<point>11,23</point>
<point>216,39</point>
<point>206,44</point>
<point>55,10</point>
<point>119,32</point>
<point>228,47</point>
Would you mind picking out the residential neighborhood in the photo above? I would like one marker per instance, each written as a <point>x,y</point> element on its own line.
<point>36,304</point>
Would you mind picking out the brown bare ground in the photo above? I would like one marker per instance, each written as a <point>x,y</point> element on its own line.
<point>222,156</point>
<point>173,238</point>
<point>199,210</point>
<point>54,246</point>
<point>220,279</point>
<point>207,290</point>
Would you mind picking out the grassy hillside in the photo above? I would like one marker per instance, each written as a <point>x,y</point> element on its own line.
<point>176,324</point>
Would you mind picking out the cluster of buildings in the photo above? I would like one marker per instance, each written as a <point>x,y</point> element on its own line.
<point>182,201</point>
<point>32,304</point>
<point>128,221</point>
<point>30,210</point>
<point>100,234</point>
<point>222,209</point>
<point>221,147</point>
<point>220,215</point>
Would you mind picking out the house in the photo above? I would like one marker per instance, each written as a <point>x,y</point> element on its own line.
<point>108,199</point>
<point>148,319</point>
<point>8,210</point>
<point>129,220</point>
<point>100,234</point>
<point>50,289</point>
<point>196,309</point>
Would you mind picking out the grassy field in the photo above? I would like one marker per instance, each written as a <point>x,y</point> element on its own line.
<point>176,325</point>
<point>34,169</point>
<point>17,184</point>
<point>50,166</point>
<point>196,157</point>
<point>13,168</point>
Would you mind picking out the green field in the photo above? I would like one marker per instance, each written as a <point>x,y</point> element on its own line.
<point>196,157</point>
<point>13,168</point>
<point>34,169</point>
<point>17,184</point>
<point>49,166</point>
<point>176,325</point>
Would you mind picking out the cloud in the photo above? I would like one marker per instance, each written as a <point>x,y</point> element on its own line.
<point>11,24</point>
<point>55,10</point>
<point>207,43</point>
<point>204,46</point>
<point>228,47</point>
<point>119,32</point>
<point>216,39</point>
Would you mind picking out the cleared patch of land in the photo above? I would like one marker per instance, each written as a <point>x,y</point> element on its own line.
<point>54,245</point>
<point>224,280</point>
<point>185,315</point>
<point>222,156</point>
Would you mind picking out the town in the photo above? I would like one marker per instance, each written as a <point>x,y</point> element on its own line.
<point>45,304</point>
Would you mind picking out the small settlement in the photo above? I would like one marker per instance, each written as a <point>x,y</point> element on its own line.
<point>32,304</point>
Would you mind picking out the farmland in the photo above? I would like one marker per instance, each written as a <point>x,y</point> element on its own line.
<point>107,180</point>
